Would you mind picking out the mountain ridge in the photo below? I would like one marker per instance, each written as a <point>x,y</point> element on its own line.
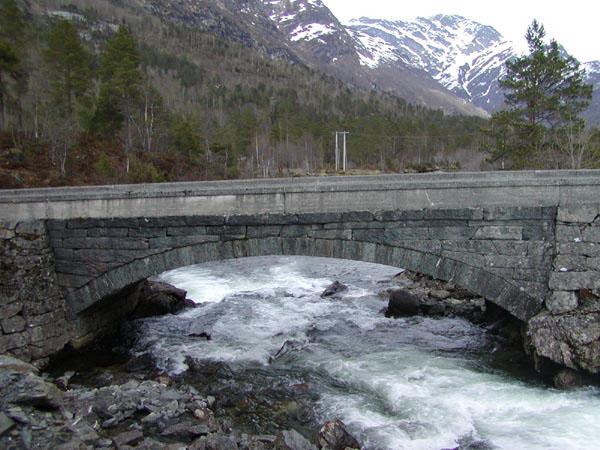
<point>307,32</point>
<point>465,56</point>
<point>447,62</point>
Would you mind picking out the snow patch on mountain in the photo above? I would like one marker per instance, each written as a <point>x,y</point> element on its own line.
<point>464,56</point>
<point>311,31</point>
<point>592,68</point>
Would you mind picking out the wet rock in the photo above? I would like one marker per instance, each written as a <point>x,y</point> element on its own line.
<point>334,435</point>
<point>438,298</point>
<point>334,289</point>
<point>185,430</point>
<point>440,294</point>
<point>141,363</point>
<point>128,438</point>
<point>568,379</point>
<point>292,440</point>
<point>6,423</point>
<point>154,298</point>
<point>144,415</point>
<point>29,389</point>
<point>202,335</point>
<point>63,382</point>
<point>17,414</point>
<point>26,438</point>
<point>571,340</point>
<point>258,442</point>
<point>73,444</point>
<point>288,347</point>
<point>402,304</point>
<point>202,414</point>
<point>406,278</point>
<point>12,364</point>
<point>85,432</point>
<point>215,442</point>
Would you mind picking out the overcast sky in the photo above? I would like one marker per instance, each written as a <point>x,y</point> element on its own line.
<point>575,23</point>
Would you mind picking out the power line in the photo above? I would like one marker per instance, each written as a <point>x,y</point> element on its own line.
<point>417,136</point>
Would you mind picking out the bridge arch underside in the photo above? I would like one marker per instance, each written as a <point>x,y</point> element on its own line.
<point>503,292</point>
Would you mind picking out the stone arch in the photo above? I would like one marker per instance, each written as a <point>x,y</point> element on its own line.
<point>479,281</point>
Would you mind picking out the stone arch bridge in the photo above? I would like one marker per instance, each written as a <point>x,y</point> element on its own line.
<point>523,240</point>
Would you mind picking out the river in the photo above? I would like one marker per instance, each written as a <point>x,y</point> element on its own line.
<point>286,357</point>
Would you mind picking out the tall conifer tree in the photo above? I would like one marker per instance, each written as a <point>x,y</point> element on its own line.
<point>68,67</point>
<point>12,29</point>
<point>545,94</point>
<point>68,64</point>
<point>121,87</point>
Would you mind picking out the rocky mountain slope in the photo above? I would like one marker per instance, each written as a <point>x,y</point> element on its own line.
<point>306,32</point>
<point>445,62</point>
<point>466,57</point>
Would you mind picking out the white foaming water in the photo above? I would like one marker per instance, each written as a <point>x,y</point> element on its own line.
<point>416,383</point>
<point>208,284</point>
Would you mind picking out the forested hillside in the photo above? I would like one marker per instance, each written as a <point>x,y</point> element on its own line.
<point>102,92</point>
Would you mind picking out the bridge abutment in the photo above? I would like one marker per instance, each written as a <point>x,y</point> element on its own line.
<point>34,317</point>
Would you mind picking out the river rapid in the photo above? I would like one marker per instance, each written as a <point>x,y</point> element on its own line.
<point>280,353</point>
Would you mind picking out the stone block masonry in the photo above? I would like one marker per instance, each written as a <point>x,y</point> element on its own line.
<point>33,312</point>
<point>568,329</point>
<point>504,252</point>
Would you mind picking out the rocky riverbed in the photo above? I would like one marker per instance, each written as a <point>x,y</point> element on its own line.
<point>42,412</point>
<point>277,356</point>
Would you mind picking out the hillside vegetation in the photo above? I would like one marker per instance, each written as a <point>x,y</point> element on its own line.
<point>104,91</point>
<point>183,104</point>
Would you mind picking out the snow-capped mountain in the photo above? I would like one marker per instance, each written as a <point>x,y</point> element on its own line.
<point>592,70</point>
<point>446,62</point>
<point>464,56</point>
<point>306,32</point>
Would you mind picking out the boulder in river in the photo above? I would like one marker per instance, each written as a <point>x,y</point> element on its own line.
<point>402,304</point>
<point>334,435</point>
<point>571,340</point>
<point>288,346</point>
<point>334,289</point>
<point>155,298</point>
<point>292,440</point>
<point>568,379</point>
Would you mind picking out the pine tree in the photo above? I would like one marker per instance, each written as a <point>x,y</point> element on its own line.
<point>12,23</point>
<point>68,67</point>
<point>9,69</point>
<point>184,136</point>
<point>545,95</point>
<point>121,88</point>
<point>12,28</point>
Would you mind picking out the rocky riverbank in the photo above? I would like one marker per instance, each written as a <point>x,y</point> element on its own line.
<point>37,411</point>
<point>420,294</point>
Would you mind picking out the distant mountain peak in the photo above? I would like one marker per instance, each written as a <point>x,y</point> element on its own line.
<point>463,55</point>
